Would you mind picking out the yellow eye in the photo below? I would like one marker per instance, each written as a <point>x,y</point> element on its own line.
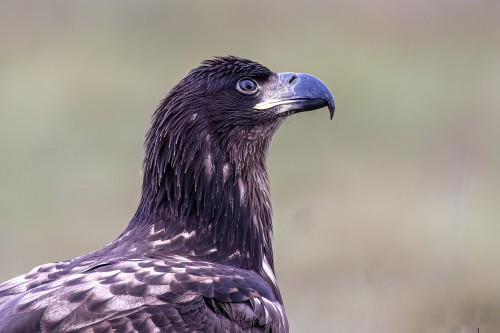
<point>247,86</point>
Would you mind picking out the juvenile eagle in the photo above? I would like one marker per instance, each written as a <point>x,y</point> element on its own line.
<point>197,254</point>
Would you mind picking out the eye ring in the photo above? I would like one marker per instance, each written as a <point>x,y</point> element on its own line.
<point>247,86</point>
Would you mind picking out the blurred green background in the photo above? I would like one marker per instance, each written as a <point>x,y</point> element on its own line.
<point>386,218</point>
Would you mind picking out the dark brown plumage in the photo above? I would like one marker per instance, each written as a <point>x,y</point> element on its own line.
<point>197,255</point>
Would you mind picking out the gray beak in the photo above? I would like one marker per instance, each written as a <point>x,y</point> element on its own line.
<point>298,92</point>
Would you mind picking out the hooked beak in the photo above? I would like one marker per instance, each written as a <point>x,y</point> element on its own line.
<point>298,92</point>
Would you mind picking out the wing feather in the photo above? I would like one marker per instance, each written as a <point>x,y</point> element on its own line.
<point>143,296</point>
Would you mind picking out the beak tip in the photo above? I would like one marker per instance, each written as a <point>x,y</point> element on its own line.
<point>331,108</point>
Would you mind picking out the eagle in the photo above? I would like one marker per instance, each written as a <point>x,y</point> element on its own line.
<point>197,255</point>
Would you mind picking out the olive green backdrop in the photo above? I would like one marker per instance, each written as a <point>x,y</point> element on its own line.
<point>386,219</point>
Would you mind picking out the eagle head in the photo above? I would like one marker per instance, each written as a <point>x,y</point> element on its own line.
<point>206,148</point>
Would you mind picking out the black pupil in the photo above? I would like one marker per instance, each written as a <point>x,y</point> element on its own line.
<point>247,85</point>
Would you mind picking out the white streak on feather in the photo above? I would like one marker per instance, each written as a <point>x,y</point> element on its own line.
<point>243,188</point>
<point>268,271</point>
<point>185,235</point>
<point>225,172</point>
<point>209,166</point>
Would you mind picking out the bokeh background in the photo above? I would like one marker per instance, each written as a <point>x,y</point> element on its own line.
<point>386,218</point>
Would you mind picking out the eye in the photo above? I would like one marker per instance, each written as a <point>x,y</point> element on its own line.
<point>247,86</point>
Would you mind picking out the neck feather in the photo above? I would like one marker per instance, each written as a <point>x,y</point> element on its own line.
<point>200,200</point>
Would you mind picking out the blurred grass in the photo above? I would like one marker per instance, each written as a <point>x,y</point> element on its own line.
<point>385,219</point>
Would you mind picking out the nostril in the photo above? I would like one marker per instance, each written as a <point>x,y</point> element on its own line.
<point>292,79</point>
